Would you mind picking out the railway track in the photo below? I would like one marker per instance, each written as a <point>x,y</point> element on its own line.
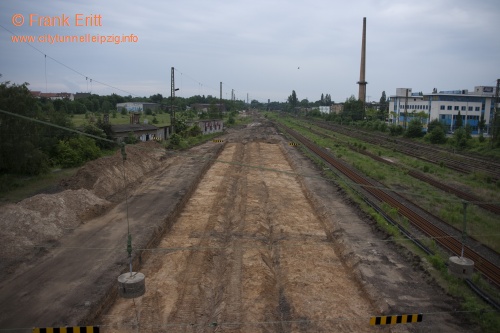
<point>487,268</point>
<point>458,162</point>
<point>420,176</point>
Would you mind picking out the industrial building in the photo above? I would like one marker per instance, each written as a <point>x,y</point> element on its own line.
<point>444,106</point>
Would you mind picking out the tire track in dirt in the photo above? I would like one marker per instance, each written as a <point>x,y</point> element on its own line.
<point>248,254</point>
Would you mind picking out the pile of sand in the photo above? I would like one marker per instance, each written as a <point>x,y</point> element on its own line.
<point>44,218</point>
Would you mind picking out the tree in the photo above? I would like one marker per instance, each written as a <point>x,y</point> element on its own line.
<point>353,109</point>
<point>435,124</point>
<point>437,135</point>
<point>328,100</point>
<point>20,150</point>
<point>482,124</point>
<point>322,100</point>
<point>293,100</point>
<point>384,105</point>
<point>414,129</point>
<point>458,121</point>
<point>158,98</point>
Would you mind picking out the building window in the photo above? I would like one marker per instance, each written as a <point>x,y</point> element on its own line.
<point>477,108</point>
<point>441,107</point>
<point>470,108</point>
<point>450,107</point>
<point>463,108</point>
<point>456,108</point>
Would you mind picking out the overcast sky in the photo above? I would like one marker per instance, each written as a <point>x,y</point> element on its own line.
<point>261,48</point>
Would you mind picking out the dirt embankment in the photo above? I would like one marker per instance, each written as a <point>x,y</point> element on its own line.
<point>27,227</point>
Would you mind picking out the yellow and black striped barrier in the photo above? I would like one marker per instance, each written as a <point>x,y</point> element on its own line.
<point>217,140</point>
<point>396,319</point>
<point>293,144</point>
<point>74,329</point>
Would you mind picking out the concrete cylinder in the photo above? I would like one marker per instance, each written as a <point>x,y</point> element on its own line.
<point>461,267</point>
<point>131,285</point>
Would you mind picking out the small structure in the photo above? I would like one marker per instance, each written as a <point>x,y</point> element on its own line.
<point>208,126</point>
<point>461,267</point>
<point>131,285</point>
<point>135,107</point>
<point>143,132</point>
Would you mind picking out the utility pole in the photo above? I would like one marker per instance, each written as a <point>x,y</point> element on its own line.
<point>220,98</point>
<point>406,108</point>
<point>496,117</point>
<point>172,95</point>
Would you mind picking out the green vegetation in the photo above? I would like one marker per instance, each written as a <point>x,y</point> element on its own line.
<point>481,223</point>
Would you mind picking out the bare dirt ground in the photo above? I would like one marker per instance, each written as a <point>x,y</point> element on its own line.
<point>264,244</point>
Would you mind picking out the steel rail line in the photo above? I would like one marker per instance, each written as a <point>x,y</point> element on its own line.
<point>420,176</point>
<point>490,270</point>
<point>461,163</point>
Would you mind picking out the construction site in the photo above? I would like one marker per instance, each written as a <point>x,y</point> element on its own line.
<point>240,234</point>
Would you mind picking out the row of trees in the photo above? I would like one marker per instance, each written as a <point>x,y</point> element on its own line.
<point>29,145</point>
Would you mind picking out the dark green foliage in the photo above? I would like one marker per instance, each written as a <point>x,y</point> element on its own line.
<point>460,138</point>
<point>437,135</point>
<point>131,139</point>
<point>458,121</point>
<point>414,129</point>
<point>20,149</point>
<point>353,109</point>
<point>175,139</point>
<point>231,120</point>
<point>76,151</point>
<point>395,130</point>
<point>194,130</point>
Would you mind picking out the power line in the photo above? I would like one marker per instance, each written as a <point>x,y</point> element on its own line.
<point>66,66</point>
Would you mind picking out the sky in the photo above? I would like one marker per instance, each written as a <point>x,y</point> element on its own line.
<point>262,49</point>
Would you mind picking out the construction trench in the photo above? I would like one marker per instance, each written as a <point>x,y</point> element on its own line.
<point>255,241</point>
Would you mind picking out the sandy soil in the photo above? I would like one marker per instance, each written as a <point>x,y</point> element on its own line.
<point>261,244</point>
<point>248,254</point>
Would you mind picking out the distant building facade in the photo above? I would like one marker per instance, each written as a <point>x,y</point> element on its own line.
<point>53,96</point>
<point>444,106</point>
<point>137,106</point>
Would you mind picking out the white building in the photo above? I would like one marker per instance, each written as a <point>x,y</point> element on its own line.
<point>445,106</point>
<point>137,106</point>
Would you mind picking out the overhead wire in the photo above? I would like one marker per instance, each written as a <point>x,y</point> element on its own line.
<point>66,66</point>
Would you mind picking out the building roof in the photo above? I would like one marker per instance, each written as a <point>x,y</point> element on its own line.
<point>133,128</point>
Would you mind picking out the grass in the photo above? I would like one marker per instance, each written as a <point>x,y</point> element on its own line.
<point>16,188</point>
<point>474,308</point>
<point>482,225</point>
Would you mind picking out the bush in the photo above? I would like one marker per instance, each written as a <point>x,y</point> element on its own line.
<point>395,130</point>
<point>460,138</point>
<point>76,151</point>
<point>131,139</point>
<point>414,129</point>
<point>437,135</point>
<point>194,130</point>
<point>175,139</point>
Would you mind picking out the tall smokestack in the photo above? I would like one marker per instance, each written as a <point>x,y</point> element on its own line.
<point>362,83</point>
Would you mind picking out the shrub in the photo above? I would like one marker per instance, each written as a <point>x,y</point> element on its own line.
<point>437,135</point>
<point>414,129</point>
<point>76,151</point>
<point>395,130</point>
<point>175,139</point>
